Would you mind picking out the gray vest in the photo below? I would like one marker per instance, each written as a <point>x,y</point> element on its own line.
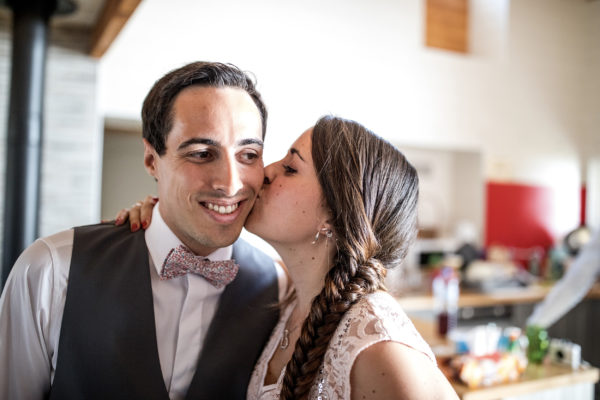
<point>107,346</point>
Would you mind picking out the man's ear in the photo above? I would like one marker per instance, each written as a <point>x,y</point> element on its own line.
<point>150,159</point>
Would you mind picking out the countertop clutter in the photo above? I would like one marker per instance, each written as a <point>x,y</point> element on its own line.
<point>544,381</point>
<point>538,378</point>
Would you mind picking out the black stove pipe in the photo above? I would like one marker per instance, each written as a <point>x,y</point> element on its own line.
<point>25,125</point>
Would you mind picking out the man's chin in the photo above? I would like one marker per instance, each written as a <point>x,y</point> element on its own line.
<point>224,239</point>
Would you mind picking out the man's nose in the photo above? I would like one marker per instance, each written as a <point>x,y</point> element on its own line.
<point>227,178</point>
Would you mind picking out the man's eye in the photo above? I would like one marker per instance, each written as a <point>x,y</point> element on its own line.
<point>250,156</point>
<point>200,155</point>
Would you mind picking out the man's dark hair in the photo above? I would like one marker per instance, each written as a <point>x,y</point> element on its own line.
<point>157,111</point>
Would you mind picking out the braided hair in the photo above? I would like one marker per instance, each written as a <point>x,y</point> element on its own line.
<point>371,190</point>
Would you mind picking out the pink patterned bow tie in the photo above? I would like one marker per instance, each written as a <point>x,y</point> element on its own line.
<point>181,260</point>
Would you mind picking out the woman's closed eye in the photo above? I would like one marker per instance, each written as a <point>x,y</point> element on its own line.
<point>288,169</point>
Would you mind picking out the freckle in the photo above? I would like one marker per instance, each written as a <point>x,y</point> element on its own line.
<point>383,374</point>
<point>279,185</point>
<point>373,391</point>
<point>303,212</point>
<point>312,258</point>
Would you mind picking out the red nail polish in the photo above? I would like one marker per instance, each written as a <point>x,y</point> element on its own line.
<point>118,221</point>
<point>144,224</point>
<point>134,227</point>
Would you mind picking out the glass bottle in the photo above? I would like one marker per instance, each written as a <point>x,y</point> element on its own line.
<point>445,287</point>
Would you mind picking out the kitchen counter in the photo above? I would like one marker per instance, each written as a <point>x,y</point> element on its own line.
<point>506,296</point>
<point>538,382</point>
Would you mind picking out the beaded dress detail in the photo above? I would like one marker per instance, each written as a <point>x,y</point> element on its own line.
<point>376,317</point>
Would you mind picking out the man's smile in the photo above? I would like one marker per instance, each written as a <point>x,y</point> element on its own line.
<point>220,208</point>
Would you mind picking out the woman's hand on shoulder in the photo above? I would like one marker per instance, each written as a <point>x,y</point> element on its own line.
<point>139,214</point>
<point>391,370</point>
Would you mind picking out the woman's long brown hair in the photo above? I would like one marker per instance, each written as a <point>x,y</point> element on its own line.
<point>371,190</point>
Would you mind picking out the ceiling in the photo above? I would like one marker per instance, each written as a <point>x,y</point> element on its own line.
<point>86,14</point>
<point>104,18</point>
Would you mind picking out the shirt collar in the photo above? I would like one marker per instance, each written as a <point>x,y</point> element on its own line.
<point>160,239</point>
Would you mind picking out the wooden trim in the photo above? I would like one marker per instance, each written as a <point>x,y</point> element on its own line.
<point>447,24</point>
<point>115,15</point>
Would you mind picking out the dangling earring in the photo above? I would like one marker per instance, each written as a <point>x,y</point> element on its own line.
<point>328,234</point>
<point>316,238</point>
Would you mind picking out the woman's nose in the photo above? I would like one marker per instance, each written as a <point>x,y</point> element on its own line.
<point>269,174</point>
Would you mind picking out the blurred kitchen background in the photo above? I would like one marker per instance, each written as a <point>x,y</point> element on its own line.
<point>495,102</point>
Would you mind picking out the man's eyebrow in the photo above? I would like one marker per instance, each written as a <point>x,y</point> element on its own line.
<point>208,142</point>
<point>295,151</point>
<point>246,142</point>
<point>211,142</point>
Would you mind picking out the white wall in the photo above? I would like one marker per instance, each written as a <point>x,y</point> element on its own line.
<point>451,191</point>
<point>522,97</point>
<point>124,178</point>
<point>591,119</point>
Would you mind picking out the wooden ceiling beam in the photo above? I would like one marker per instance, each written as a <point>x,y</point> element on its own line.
<point>114,16</point>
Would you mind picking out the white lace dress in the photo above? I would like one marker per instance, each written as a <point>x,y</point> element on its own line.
<point>375,318</point>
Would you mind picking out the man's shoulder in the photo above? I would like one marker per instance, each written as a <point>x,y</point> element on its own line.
<point>104,234</point>
<point>245,253</point>
<point>43,258</point>
<point>243,245</point>
<point>49,252</point>
<point>53,247</point>
<point>56,241</point>
<point>108,227</point>
<point>256,266</point>
<point>262,264</point>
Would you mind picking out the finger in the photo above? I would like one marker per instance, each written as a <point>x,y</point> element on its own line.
<point>122,216</point>
<point>134,217</point>
<point>146,210</point>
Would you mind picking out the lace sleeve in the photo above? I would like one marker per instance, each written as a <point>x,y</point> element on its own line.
<point>375,318</point>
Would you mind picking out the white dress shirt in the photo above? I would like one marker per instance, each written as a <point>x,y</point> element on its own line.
<point>32,304</point>
<point>572,287</point>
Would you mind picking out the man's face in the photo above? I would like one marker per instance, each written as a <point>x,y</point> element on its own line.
<point>212,169</point>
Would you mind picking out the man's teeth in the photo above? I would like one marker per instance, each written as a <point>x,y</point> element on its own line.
<point>222,209</point>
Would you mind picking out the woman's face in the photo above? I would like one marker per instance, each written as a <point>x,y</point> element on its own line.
<point>290,207</point>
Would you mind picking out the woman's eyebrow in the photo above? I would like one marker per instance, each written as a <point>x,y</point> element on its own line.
<point>295,151</point>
